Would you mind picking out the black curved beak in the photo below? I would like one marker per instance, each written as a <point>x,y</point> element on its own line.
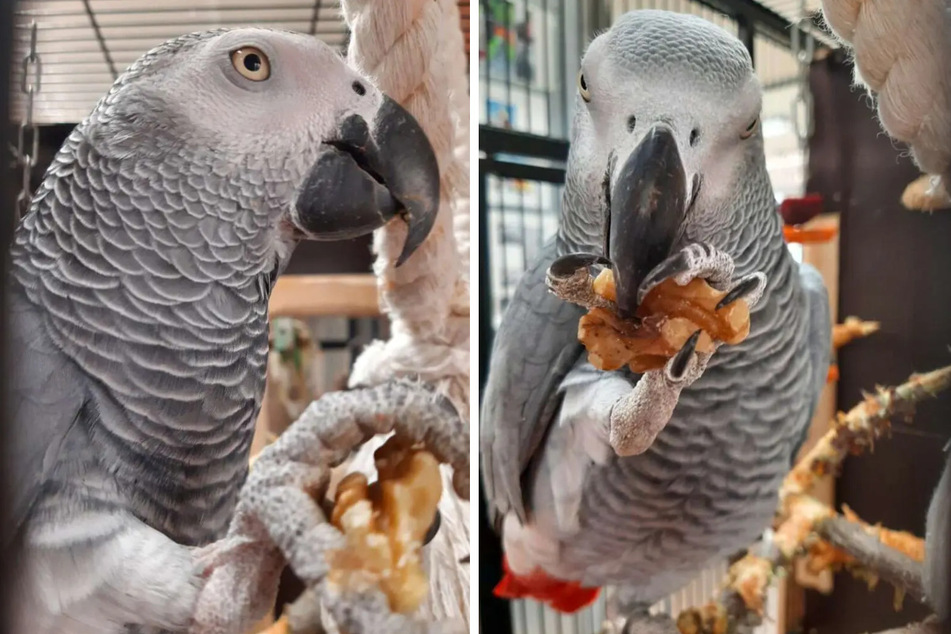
<point>366,177</point>
<point>646,210</point>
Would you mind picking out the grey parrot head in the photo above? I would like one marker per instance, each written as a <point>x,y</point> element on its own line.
<point>271,132</point>
<point>666,130</point>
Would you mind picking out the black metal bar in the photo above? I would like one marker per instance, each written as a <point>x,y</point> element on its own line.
<point>82,36</point>
<point>316,17</point>
<point>498,141</point>
<point>746,31</point>
<point>8,554</point>
<point>507,169</point>
<point>100,39</point>
<point>508,60</point>
<point>528,82</point>
<point>494,613</point>
<point>768,22</point>
<point>485,267</point>
<point>487,32</point>
<point>144,8</point>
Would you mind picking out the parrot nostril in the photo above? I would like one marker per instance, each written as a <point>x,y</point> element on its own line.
<point>631,123</point>
<point>694,137</point>
<point>359,88</point>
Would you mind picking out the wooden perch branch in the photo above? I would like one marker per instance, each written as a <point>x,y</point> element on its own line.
<point>926,193</point>
<point>851,329</point>
<point>802,518</point>
<point>861,427</point>
<point>871,554</point>
<point>928,626</point>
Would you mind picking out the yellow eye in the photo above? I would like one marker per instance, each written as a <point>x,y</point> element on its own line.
<point>583,87</point>
<point>252,63</point>
<point>750,129</point>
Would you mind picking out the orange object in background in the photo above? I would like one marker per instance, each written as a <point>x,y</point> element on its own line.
<point>804,235</point>
<point>833,374</point>
<point>797,213</point>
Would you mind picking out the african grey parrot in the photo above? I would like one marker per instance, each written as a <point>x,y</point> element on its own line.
<point>609,478</point>
<point>140,285</point>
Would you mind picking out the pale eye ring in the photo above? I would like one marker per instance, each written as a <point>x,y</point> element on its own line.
<point>750,129</point>
<point>251,63</point>
<point>583,87</point>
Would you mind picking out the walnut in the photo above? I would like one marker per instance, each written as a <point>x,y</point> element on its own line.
<point>384,524</point>
<point>667,317</point>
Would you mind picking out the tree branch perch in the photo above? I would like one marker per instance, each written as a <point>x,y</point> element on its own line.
<point>740,605</point>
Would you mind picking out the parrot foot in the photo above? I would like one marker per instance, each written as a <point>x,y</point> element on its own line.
<point>706,262</point>
<point>569,278</point>
<point>641,623</point>
<point>279,520</point>
<point>637,418</point>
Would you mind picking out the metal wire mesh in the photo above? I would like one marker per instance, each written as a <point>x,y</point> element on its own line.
<point>85,43</point>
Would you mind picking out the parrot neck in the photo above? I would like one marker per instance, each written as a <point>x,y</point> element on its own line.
<point>582,208</point>
<point>164,307</point>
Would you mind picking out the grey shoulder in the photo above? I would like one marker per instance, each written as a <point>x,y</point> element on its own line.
<point>534,349</point>
<point>47,395</point>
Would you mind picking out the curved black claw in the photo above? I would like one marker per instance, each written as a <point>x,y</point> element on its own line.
<point>674,265</point>
<point>568,265</point>
<point>679,364</point>
<point>739,291</point>
<point>433,528</point>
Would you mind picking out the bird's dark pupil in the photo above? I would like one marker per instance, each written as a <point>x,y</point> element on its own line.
<point>252,62</point>
<point>584,86</point>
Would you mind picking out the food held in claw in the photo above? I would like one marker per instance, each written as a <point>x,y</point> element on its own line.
<point>384,524</point>
<point>667,317</point>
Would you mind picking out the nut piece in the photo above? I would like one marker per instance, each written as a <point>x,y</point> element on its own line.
<point>385,523</point>
<point>669,314</point>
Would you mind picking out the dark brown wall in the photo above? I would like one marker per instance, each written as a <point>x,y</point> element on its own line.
<point>7,197</point>
<point>895,267</point>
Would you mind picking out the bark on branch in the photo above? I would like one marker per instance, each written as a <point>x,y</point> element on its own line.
<point>868,552</point>
<point>802,519</point>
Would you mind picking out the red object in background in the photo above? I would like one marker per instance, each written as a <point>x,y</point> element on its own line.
<point>797,211</point>
<point>566,597</point>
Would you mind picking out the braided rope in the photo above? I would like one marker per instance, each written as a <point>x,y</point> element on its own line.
<point>902,54</point>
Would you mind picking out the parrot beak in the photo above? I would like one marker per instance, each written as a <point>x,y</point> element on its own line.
<point>365,178</point>
<point>646,210</point>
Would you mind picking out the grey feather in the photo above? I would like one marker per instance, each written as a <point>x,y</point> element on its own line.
<point>707,485</point>
<point>938,549</point>
<point>538,340</point>
<point>819,339</point>
<point>140,281</point>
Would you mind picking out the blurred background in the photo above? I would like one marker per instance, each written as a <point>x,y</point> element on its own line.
<point>880,260</point>
<point>65,56</point>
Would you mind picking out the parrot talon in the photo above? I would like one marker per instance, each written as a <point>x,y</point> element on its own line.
<point>433,528</point>
<point>696,260</point>
<point>568,265</point>
<point>570,280</point>
<point>672,266</point>
<point>678,365</point>
<point>744,288</point>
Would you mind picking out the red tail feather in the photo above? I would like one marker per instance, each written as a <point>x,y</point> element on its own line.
<point>564,596</point>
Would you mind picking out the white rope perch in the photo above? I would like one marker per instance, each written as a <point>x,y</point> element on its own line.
<point>902,52</point>
<point>413,51</point>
